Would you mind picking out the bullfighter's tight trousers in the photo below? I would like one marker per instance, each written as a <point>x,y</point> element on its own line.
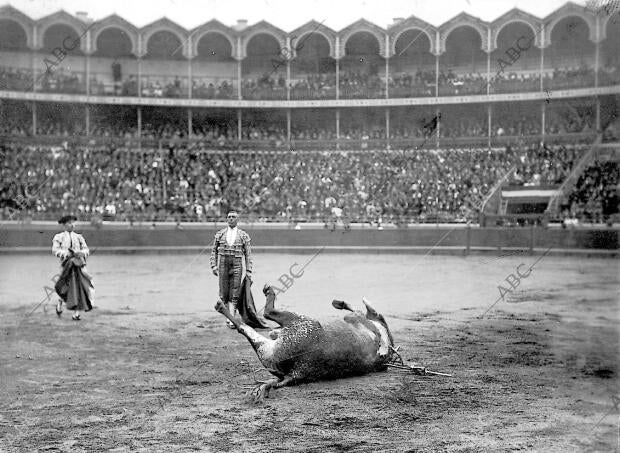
<point>230,270</point>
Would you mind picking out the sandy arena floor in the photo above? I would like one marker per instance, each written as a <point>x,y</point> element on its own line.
<point>153,368</point>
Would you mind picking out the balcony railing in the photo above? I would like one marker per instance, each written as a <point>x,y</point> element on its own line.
<point>219,87</point>
<point>302,145</point>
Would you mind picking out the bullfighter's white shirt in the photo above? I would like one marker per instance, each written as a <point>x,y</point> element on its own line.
<point>231,235</point>
<point>66,240</point>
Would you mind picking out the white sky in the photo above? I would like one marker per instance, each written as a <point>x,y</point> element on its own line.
<point>286,14</point>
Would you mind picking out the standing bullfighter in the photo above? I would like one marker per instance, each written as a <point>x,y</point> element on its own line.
<point>231,245</point>
<point>74,283</point>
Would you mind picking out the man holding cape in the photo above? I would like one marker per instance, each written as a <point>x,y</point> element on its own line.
<point>231,247</point>
<point>74,284</point>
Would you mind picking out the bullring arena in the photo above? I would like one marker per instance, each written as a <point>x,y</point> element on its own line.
<point>469,192</point>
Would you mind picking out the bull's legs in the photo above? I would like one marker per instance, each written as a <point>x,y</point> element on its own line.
<point>342,305</point>
<point>283,318</point>
<point>371,313</point>
<point>255,339</point>
<point>260,392</point>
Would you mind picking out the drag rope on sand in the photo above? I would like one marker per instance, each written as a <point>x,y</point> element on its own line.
<point>398,363</point>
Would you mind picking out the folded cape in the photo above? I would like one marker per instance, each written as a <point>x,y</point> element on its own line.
<point>246,308</point>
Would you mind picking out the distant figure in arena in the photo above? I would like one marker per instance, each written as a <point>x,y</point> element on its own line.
<point>74,284</point>
<point>231,245</point>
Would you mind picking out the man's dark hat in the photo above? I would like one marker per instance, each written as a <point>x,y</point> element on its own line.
<point>65,218</point>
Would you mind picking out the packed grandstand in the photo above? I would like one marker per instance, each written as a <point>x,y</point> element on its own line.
<point>409,123</point>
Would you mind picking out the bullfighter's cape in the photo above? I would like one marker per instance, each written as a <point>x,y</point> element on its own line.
<point>74,284</point>
<point>246,308</point>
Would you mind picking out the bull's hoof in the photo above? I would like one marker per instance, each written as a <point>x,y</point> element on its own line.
<point>274,334</point>
<point>220,307</point>
<point>267,289</point>
<point>341,305</point>
<point>259,393</point>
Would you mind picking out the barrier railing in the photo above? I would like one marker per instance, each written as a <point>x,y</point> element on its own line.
<point>26,217</point>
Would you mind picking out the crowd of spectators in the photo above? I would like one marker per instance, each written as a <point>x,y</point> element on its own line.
<point>15,79</point>
<point>267,86</point>
<point>61,81</point>
<point>191,183</point>
<point>609,74</point>
<point>407,84</point>
<point>582,76</point>
<point>314,86</point>
<point>221,90</point>
<point>361,85</point>
<point>225,134</point>
<point>595,197</point>
<point>163,89</point>
<point>544,166</point>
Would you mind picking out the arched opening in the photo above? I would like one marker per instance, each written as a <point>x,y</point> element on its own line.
<point>362,69</point>
<point>313,71</point>
<point>569,60</point>
<point>12,36</point>
<point>62,36</point>
<point>214,69</point>
<point>609,72</point>
<point>160,69</point>
<point>462,67</point>
<point>60,59</point>
<point>264,68</point>
<point>412,68</point>
<point>15,73</point>
<point>113,67</point>
<point>515,72</point>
